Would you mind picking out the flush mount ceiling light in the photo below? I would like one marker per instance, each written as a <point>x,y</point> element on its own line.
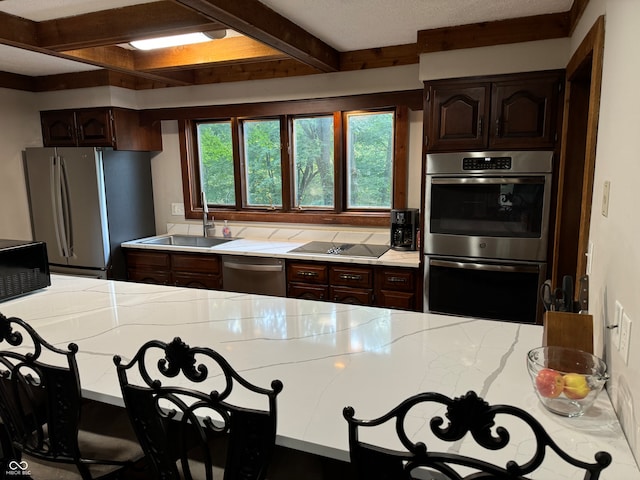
<point>177,40</point>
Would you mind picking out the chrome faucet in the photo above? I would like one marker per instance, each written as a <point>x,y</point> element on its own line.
<point>206,225</point>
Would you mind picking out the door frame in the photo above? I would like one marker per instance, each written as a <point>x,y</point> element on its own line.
<point>578,157</point>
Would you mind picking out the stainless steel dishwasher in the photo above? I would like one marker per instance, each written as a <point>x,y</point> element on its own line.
<point>260,275</point>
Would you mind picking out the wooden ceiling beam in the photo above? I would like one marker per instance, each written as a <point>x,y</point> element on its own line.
<point>17,31</point>
<point>121,25</point>
<point>256,20</point>
<point>379,57</point>
<point>121,60</point>
<point>219,52</point>
<point>516,30</point>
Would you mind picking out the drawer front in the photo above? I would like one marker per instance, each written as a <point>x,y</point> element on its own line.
<point>395,299</point>
<point>307,273</point>
<point>356,296</point>
<point>142,275</point>
<point>351,276</point>
<point>403,280</point>
<point>307,292</point>
<point>197,280</point>
<point>196,263</point>
<point>138,259</point>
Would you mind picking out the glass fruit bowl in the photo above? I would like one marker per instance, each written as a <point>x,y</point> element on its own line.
<point>567,381</point>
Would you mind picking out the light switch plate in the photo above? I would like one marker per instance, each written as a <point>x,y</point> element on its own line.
<point>625,337</point>
<point>177,209</point>
<point>617,321</point>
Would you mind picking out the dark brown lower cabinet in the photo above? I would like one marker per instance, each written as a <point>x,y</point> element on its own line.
<point>398,288</point>
<point>180,269</point>
<point>389,287</point>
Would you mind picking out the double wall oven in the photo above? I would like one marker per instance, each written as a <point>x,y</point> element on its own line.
<point>486,233</point>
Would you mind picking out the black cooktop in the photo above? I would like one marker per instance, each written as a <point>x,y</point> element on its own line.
<point>345,249</point>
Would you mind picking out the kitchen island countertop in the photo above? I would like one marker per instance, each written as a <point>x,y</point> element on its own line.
<point>327,355</point>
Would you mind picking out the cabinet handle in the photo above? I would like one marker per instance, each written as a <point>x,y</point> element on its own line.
<point>349,276</point>
<point>397,280</point>
<point>497,127</point>
<point>480,126</point>
<point>307,274</point>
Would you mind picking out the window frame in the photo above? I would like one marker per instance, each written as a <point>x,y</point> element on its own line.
<point>400,102</point>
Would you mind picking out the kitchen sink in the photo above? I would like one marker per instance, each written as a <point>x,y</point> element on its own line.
<point>188,241</point>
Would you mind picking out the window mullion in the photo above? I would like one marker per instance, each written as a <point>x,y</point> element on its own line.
<point>238,162</point>
<point>339,161</point>
<point>286,164</point>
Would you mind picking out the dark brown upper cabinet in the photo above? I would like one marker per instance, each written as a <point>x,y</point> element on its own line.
<point>502,112</point>
<point>119,128</point>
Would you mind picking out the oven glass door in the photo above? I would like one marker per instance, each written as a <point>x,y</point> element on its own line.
<point>488,206</point>
<point>474,288</point>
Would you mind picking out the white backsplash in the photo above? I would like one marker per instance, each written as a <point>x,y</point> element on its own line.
<point>293,233</point>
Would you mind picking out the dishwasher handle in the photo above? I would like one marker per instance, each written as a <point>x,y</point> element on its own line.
<point>251,267</point>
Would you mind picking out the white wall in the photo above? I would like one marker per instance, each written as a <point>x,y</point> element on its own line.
<point>19,128</point>
<point>499,59</point>
<point>615,273</point>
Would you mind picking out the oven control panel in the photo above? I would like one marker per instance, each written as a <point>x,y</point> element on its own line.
<point>486,163</point>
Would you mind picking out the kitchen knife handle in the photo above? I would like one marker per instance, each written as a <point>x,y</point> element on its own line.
<point>567,293</point>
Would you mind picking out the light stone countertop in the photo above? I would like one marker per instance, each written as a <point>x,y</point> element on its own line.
<point>270,247</point>
<point>328,356</point>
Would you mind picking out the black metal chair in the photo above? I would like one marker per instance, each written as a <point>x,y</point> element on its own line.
<point>47,429</point>
<point>466,414</point>
<point>187,433</point>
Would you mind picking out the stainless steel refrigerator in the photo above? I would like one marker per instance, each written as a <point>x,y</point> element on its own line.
<point>85,202</point>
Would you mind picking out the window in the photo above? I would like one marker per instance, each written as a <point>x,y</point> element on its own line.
<point>215,150</point>
<point>263,163</point>
<point>369,160</point>
<point>313,165</point>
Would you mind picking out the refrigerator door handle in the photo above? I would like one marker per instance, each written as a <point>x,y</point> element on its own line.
<point>56,202</point>
<point>66,208</point>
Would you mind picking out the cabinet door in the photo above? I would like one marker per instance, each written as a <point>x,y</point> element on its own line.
<point>355,296</point>
<point>148,266</point>
<point>197,280</point>
<point>457,116</point>
<point>524,113</point>
<point>393,299</point>
<point>307,292</point>
<point>95,128</point>
<point>142,275</point>
<point>58,128</point>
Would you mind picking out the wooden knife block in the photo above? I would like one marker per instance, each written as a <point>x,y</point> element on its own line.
<point>571,330</point>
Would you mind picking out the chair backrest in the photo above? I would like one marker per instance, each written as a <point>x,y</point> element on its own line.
<point>466,414</point>
<point>40,401</point>
<point>173,419</point>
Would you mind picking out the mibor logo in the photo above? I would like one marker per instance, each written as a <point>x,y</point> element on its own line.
<point>18,468</point>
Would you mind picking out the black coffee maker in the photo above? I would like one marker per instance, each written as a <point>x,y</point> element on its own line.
<point>404,228</point>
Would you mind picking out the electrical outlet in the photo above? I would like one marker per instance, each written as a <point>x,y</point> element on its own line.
<point>177,209</point>
<point>617,321</point>
<point>625,337</point>
<point>605,198</point>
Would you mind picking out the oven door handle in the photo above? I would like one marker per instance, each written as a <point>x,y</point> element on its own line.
<point>486,180</point>
<point>485,266</point>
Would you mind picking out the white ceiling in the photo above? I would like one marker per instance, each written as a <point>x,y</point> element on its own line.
<point>343,24</point>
